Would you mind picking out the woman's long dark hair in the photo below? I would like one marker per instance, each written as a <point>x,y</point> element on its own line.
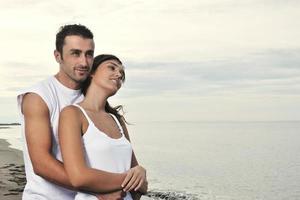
<point>85,85</point>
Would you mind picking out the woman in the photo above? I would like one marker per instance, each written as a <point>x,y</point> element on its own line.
<point>94,141</point>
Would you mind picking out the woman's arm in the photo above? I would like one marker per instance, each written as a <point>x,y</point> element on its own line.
<point>81,176</point>
<point>136,177</point>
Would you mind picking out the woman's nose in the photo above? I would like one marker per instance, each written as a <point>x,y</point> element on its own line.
<point>119,74</point>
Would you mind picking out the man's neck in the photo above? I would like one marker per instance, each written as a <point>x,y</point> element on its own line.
<point>67,82</point>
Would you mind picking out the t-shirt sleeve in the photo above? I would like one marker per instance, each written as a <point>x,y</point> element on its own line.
<point>37,89</point>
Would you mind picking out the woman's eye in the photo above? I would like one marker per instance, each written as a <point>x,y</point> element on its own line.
<point>112,67</point>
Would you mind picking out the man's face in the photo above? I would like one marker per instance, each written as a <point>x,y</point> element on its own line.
<point>76,59</point>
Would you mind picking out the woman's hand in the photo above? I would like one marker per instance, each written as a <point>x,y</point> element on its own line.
<point>136,177</point>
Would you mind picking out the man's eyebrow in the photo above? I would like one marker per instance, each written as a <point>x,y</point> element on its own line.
<point>78,50</point>
<point>90,51</point>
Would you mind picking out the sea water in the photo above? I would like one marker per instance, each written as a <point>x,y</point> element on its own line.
<point>214,160</point>
<point>13,136</point>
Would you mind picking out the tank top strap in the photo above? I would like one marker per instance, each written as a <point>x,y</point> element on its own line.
<point>118,123</point>
<point>84,113</point>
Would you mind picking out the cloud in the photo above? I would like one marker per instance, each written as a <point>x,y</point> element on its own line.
<point>156,30</point>
<point>17,75</point>
<point>188,50</point>
<point>273,72</point>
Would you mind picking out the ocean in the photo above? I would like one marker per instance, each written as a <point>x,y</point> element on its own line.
<point>214,160</point>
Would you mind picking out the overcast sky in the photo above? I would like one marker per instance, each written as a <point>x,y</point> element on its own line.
<point>199,60</point>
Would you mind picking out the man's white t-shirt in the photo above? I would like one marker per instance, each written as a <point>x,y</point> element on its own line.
<point>56,96</point>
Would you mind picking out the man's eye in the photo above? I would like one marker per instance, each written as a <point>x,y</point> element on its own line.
<point>90,54</point>
<point>76,53</point>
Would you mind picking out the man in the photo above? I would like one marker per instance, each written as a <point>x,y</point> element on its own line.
<point>39,108</point>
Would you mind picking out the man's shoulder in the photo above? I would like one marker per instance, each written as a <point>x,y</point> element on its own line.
<point>43,89</point>
<point>46,83</point>
<point>43,86</point>
<point>34,103</point>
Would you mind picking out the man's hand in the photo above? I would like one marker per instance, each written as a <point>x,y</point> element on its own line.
<point>118,195</point>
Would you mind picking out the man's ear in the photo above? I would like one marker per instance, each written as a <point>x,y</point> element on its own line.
<point>57,56</point>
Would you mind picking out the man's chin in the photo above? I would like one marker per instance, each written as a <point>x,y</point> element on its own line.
<point>81,79</point>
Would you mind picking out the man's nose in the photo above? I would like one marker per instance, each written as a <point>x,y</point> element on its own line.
<point>83,60</point>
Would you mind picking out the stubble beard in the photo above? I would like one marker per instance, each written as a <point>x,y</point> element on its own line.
<point>73,76</point>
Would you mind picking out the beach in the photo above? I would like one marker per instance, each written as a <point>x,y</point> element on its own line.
<point>12,176</point>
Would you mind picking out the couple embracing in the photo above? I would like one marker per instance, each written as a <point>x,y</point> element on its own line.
<point>76,146</point>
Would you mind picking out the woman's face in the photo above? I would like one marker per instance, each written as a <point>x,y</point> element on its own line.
<point>109,76</point>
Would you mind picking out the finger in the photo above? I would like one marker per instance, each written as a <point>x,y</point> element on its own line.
<point>130,183</point>
<point>119,198</point>
<point>127,178</point>
<point>139,185</point>
<point>135,183</point>
<point>114,196</point>
<point>100,197</point>
<point>123,194</point>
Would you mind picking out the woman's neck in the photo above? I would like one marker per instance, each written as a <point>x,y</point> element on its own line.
<point>94,101</point>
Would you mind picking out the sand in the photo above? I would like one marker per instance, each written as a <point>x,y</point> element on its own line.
<point>12,176</point>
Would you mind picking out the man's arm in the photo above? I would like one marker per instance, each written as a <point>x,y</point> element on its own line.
<point>39,140</point>
<point>39,143</point>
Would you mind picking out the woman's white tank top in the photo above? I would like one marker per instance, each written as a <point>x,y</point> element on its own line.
<point>105,153</point>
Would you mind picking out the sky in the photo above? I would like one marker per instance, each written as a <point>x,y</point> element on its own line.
<point>196,60</point>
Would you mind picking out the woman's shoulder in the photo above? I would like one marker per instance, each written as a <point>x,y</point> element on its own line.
<point>70,108</point>
<point>71,111</point>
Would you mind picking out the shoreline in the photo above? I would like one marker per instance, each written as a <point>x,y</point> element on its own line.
<point>13,180</point>
<point>12,175</point>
